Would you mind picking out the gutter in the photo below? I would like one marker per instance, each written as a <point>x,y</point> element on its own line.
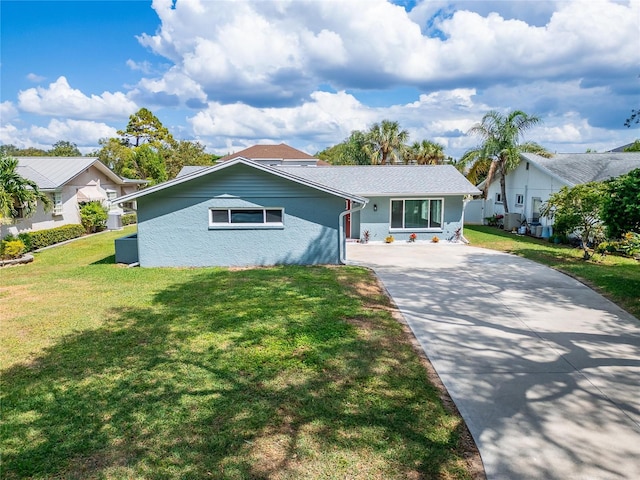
<point>343,239</point>
<point>465,201</point>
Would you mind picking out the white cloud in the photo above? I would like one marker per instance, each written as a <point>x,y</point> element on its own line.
<point>60,100</point>
<point>8,111</point>
<point>83,133</point>
<point>267,53</point>
<point>144,67</point>
<point>32,77</point>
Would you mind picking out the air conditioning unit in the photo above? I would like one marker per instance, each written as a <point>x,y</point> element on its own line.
<point>512,220</point>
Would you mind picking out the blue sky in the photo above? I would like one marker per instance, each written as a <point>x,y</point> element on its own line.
<point>232,74</point>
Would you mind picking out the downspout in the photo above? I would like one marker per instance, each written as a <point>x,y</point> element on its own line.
<point>465,201</point>
<point>343,238</point>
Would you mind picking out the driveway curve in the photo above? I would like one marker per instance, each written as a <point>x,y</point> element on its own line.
<point>545,371</point>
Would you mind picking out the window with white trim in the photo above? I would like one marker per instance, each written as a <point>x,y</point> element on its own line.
<point>57,203</point>
<point>519,199</point>
<point>498,197</point>
<point>417,213</point>
<point>246,217</point>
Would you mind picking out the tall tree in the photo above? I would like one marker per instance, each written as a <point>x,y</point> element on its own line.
<point>63,148</point>
<point>117,156</point>
<point>149,164</point>
<point>9,150</point>
<point>425,152</point>
<point>634,118</point>
<point>500,150</point>
<point>17,192</point>
<point>351,151</point>
<point>144,127</point>
<point>184,153</point>
<point>386,142</point>
<point>26,152</point>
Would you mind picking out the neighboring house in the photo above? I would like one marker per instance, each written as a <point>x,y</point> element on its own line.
<point>536,178</point>
<point>68,181</point>
<point>240,212</point>
<point>275,155</point>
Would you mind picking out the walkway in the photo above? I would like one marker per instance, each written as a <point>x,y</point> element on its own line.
<point>545,371</point>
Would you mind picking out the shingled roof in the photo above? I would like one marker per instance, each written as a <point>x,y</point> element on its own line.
<point>578,168</point>
<point>372,180</point>
<point>270,152</point>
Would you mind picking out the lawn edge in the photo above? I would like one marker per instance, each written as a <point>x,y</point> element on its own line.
<point>469,450</point>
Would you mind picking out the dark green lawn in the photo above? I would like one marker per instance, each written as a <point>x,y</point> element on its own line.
<point>283,373</point>
<point>616,277</point>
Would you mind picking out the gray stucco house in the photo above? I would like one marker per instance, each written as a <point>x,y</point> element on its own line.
<point>240,212</point>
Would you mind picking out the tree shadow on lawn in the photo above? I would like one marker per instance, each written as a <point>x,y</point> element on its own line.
<point>109,260</point>
<point>245,374</point>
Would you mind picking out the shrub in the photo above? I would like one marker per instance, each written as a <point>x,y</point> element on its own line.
<point>44,238</point>
<point>93,216</point>
<point>389,239</point>
<point>11,249</point>
<point>628,245</point>
<point>129,219</point>
<point>26,239</point>
<point>621,209</point>
<point>435,239</point>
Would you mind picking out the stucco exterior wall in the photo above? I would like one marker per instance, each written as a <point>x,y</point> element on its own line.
<point>530,182</point>
<point>378,223</point>
<point>42,220</point>
<point>174,230</point>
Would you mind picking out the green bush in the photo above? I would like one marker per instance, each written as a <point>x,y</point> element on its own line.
<point>11,249</point>
<point>26,239</point>
<point>628,245</point>
<point>129,219</point>
<point>44,238</point>
<point>93,216</point>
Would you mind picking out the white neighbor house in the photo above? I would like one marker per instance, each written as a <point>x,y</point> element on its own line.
<point>536,178</point>
<point>68,181</point>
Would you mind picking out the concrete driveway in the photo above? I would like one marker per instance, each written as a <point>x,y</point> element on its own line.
<point>545,371</point>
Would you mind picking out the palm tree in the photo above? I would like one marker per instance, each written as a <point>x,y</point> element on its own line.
<point>18,191</point>
<point>385,142</point>
<point>500,150</point>
<point>426,153</point>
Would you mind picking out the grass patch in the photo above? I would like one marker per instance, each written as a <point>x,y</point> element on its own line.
<point>618,278</point>
<point>279,373</point>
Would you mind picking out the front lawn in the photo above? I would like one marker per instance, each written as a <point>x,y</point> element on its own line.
<point>279,373</point>
<point>616,277</point>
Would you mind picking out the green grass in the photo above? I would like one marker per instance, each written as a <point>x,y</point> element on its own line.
<point>616,277</point>
<point>283,373</point>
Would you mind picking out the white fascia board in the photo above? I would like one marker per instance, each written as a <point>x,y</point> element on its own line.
<point>421,193</point>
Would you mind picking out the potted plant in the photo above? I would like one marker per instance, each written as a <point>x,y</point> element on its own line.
<point>366,235</point>
<point>412,237</point>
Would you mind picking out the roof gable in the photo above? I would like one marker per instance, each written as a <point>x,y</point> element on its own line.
<point>269,152</point>
<point>51,173</point>
<point>200,172</point>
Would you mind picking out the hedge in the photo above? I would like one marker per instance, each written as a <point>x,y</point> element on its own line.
<point>44,238</point>
<point>129,219</point>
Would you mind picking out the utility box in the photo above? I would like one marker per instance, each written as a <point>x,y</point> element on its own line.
<point>114,221</point>
<point>512,220</point>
